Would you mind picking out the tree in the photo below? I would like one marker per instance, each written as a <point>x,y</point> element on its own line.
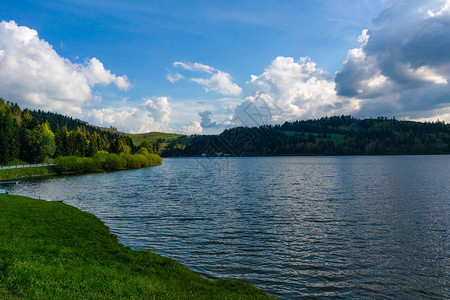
<point>61,142</point>
<point>120,146</point>
<point>77,143</point>
<point>147,145</point>
<point>7,138</point>
<point>40,142</point>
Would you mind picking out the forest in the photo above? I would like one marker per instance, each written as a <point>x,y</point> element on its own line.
<point>338,135</point>
<point>35,136</point>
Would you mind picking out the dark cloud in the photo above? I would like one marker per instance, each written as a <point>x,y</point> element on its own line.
<point>403,65</point>
<point>206,120</point>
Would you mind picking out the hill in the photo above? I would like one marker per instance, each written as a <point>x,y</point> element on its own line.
<point>339,135</point>
<point>152,137</point>
<point>58,120</point>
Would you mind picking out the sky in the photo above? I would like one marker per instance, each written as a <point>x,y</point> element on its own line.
<point>198,67</point>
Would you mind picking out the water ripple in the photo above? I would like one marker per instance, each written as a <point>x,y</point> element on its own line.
<point>341,227</point>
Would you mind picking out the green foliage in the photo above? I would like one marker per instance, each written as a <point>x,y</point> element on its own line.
<point>121,145</point>
<point>23,137</point>
<point>113,162</point>
<point>132,161</point>
<point>153,159</point>
<point>143,151</point>
<point>103,161</point>
<point>50,250</point>
<point>75,164</point>
<point>342,135</point>
<point>41,143</point>
<point>25,173</point>
<point>16,162</point>
<point>147,145</point>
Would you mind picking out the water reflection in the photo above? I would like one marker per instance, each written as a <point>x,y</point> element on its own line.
<point>310,226</point>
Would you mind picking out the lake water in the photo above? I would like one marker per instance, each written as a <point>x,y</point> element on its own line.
<point>371,227</point>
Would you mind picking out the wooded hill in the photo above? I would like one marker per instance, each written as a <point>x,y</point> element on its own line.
<point>33,137</point>
<point>338,135</point>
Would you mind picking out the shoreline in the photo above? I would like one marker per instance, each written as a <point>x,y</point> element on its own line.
<point>44,172</point>
<point>54,250</point>
<point>310,155</point>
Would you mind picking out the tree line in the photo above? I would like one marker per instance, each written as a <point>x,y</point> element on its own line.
<point>34,137</point>
<point>337,135</point>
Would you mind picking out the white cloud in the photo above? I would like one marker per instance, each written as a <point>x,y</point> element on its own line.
<point>445,9</point>
<point>289,90</point>
<point>219,81</point>
<point>194,67</point>
<point>96,74</point>
<point>192,128</point>
<point>34,75</point>
<point>150,115</point>
<point>174,77</point>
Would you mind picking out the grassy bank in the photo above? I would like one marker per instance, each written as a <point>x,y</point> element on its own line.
<point>26,173</point>
<point>51,250</point>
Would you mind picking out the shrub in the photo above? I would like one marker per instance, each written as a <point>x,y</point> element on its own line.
<point>90,165</point>
<point>143,160</point>
<point>133,161</point>
<point>143,151</point>
<point>66,164</point>
<point>154,159</point>
<point>105,161</point>
<point>113,162</point>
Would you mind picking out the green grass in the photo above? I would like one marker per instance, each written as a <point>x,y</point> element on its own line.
<point>23,173</point>
<point>16,162</point>
<point>152,137</point>
<point>51,250</point>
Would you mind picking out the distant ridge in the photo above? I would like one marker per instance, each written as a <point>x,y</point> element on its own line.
<point>57,120</point>
<point>337,135</point>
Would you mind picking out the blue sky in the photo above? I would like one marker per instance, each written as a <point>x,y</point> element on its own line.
<point>216,47</point>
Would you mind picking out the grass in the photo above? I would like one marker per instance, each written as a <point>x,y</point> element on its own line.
<point>152,137</point>
<point>16,162</point>
<point>50,250</point>
<point>22,173</point>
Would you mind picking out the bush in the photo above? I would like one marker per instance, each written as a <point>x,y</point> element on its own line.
<point>142,160</point>
<point>143,151</point>
<point>133,161</point>
<point>66,164</point>
<point>114,162</point>
<point>154,159</point>
<point>90,165</point>
<point>105,161</point>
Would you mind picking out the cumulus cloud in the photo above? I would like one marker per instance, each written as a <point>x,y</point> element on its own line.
<point>96,73</point>
<point>150,115</point>
<point>289,90</point>
<point>33,74</point>
<point>206,120</point>
<point>219,81</point>
<point>192,128</point>
<point>403,65</point>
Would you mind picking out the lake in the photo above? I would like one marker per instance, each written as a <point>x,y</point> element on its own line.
<point>370,227</point>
